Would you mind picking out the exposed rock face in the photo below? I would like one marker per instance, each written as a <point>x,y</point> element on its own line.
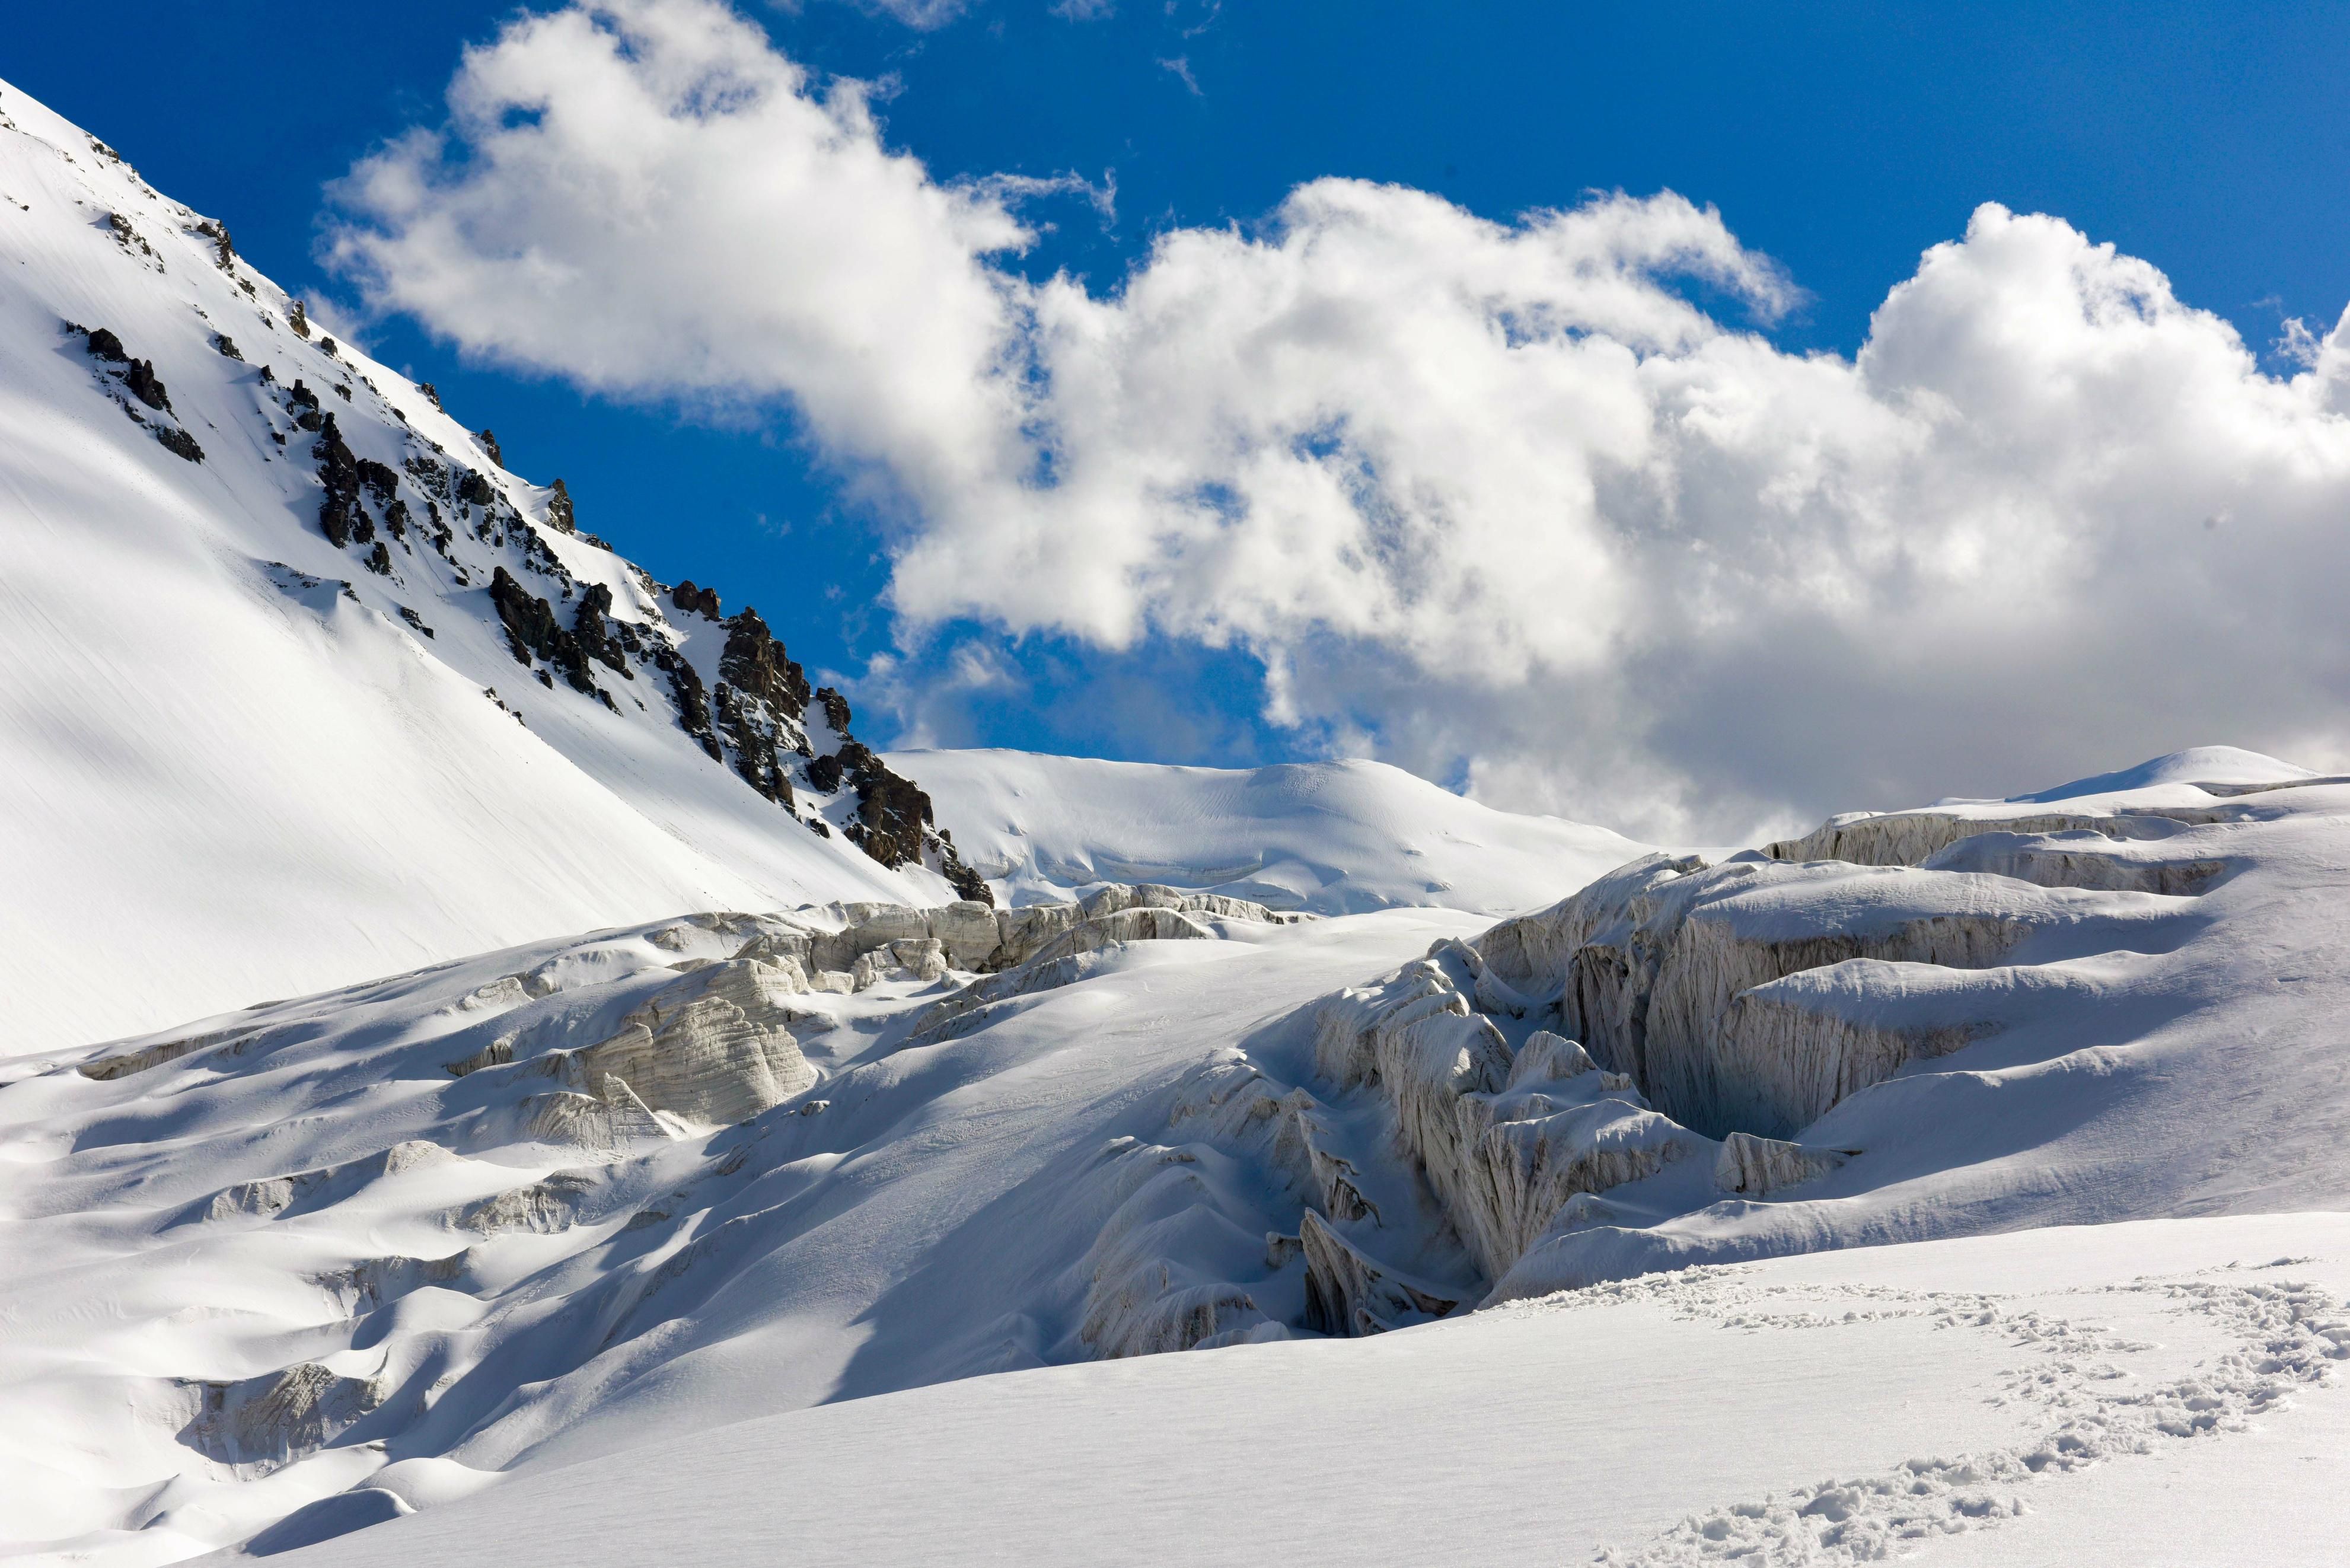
<point>836,708</point>
<point>559,514</point>
<point>532,628</point>
<point>891,811</point>
<point>341,517</point>
<point>269,1421</point>
<point>761,696</point>
<point>224,248</point>
<point>598,636</point>
<point>139,378</point>
<point>692,699</point>
<point>698,601</point>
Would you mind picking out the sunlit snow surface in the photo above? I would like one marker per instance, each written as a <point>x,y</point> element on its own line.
<point>1089,1161</point>
<point>1334,838</point>
<point>233,763</point>
<point>619,1230</point>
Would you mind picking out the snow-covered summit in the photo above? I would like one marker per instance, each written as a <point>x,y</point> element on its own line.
<point>1330,838</point>
<point>2230,765</point>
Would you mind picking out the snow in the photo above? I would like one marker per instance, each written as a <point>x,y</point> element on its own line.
<point>930,1219</point>
<point>1962,1181</point>
<point>1332,837</point>
<point>241,764</point>
<point>222,783</point>
<point>2232,763</point>
<point>899,1283</point>
<point>1767,1399</point>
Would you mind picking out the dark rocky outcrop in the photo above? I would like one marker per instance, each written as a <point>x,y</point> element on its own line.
<point>751,727</point>
<point>967,883</point>
<point>692,699</point>
<point>688,598</point>
<point>532,628</point>
<point>227,345</point>
<point>378,479</point>
<point>559,508</point>
<point>490,444</point>
<point>224,248</point>
<point>104,345</point>
<point>432,394</point>
<point>298,318</point>
<point>302,404</point>
<point>473,490</point>
<point>341,518</point>
<point>891,810</point>
<point>598,635</point>
<point>755,663</point>
<point>761,695</point>
<point>139,378</point>
<point>836,711</point>
<point>181,443</point>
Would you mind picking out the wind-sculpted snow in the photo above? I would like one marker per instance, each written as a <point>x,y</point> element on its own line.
<point>480,1213</point>
<point>520,1211</point>
<point>524,1209</point>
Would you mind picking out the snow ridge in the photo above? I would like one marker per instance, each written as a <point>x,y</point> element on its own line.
<point>286,641</point>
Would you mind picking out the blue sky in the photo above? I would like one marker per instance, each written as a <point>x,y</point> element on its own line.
<point>1840,140</point>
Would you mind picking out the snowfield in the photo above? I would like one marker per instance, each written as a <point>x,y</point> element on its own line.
<point>1334,837</point>
<point>1942,1399</point>
<point>664,1143</point>
<point>1792,1132</point>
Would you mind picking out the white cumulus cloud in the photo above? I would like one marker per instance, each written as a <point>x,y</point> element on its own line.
<point>1492,496</point>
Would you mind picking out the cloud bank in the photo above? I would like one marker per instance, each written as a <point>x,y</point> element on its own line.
<point>1497,498</point>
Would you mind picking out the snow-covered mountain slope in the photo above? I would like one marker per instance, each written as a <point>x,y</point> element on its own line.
<point>506,1213</point>
<point>371,1251</point>
<point>1331,837</point>
<point>1988,1400</point>
<point>300,685</point>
